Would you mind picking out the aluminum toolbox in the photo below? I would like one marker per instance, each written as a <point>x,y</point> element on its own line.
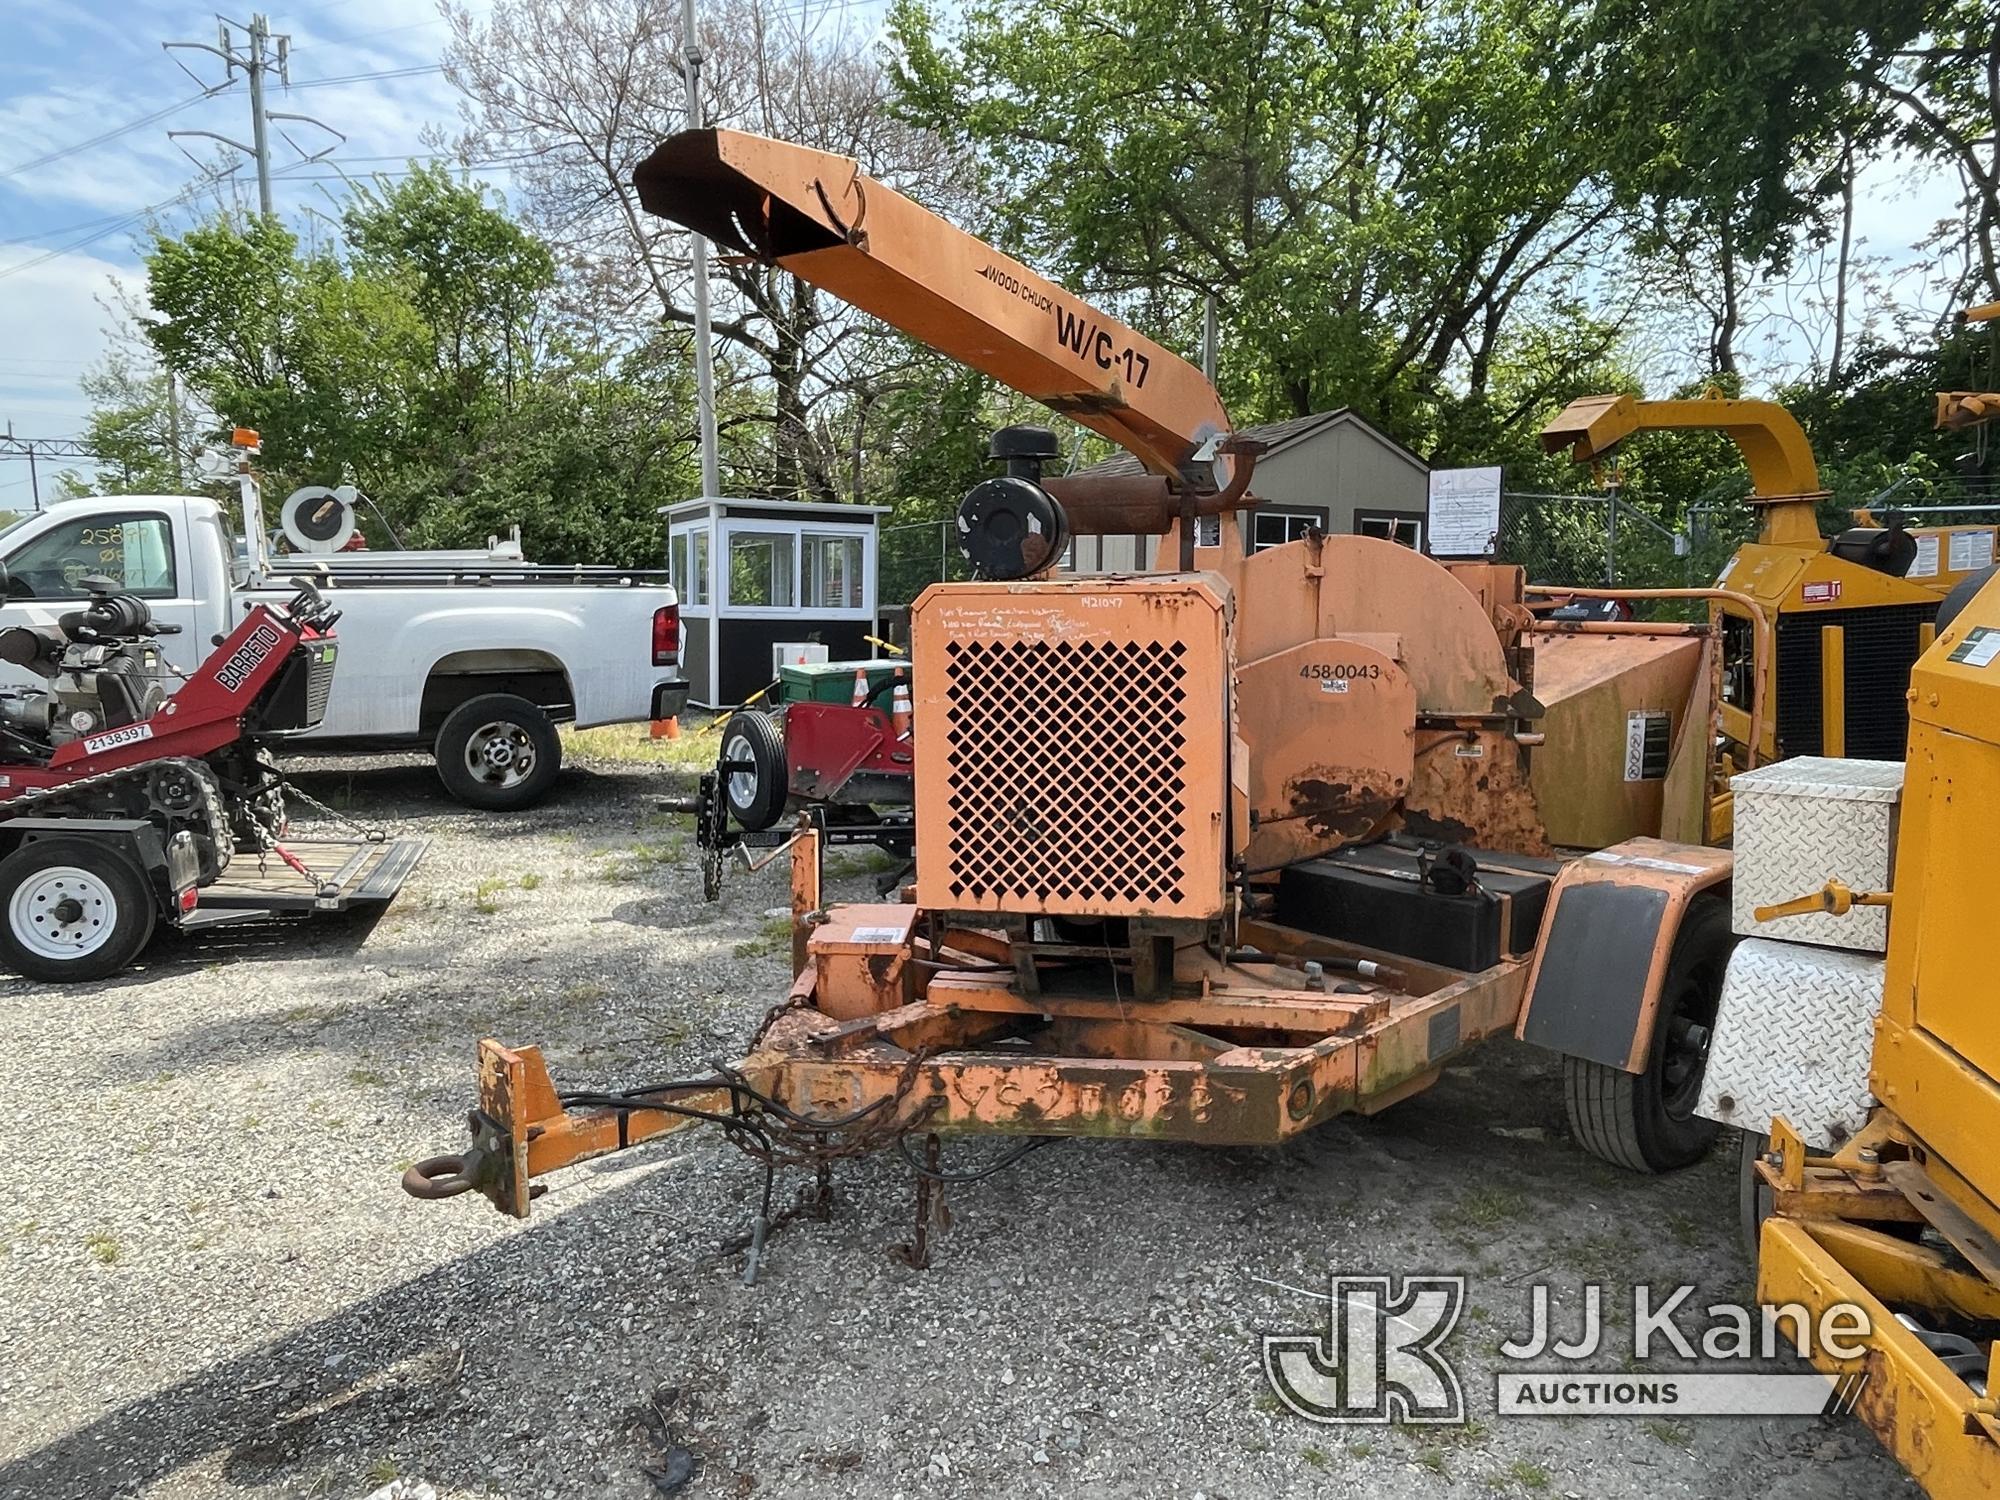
<point>1803,822</point>
<point>1793,1036</point>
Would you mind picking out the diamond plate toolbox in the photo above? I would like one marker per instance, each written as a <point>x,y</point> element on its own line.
<point>1793,1037</point>
<point>1803,822</point>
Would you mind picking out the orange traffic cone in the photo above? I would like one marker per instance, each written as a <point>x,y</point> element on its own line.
<point>666,729</point>
<point>860,687</point>
<point>899,707</point>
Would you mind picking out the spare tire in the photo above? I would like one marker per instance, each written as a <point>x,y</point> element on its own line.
<point>751,770</point>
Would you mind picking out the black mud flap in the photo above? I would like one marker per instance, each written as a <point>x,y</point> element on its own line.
<point>1590,987</point>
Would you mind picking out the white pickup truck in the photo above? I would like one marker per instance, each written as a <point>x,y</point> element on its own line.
<point>474,657</point>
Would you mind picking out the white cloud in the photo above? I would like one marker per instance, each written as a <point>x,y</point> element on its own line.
<point>53,325</point>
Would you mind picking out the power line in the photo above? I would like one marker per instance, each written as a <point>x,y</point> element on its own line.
<point>184,195</point>
<point>55,234</point>
<point>263,54</point>
<point>369,36</point>
<point>35,449</point>
<point>322,83</point>
<point>127,128</point>
<point>106,227</point>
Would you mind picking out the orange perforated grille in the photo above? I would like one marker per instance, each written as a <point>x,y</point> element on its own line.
<point>1067,773</point>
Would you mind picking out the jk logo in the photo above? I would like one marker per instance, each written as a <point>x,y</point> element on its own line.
<point>1377,1360</point>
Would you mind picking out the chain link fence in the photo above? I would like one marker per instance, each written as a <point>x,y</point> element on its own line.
<point>1602,541</point>
<point>1589,541</point>
<point>916,555</point>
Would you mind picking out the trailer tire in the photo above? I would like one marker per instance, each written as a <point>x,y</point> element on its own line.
<point>754,796</point>
<point>1646,1122</point>
<point>498,752</point>
<point>111,919</point>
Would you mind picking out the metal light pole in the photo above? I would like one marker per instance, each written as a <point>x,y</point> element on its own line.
<point>704,366</point>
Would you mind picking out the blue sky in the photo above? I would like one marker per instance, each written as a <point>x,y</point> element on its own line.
<point>75,70</point>
<point>72,70</point>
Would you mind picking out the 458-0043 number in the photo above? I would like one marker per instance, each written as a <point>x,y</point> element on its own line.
<point>1341,670</point>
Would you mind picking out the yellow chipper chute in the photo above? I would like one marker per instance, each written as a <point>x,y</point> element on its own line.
<point>1847,615</point>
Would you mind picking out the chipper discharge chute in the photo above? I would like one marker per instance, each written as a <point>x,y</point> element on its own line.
<point>1207,854</point>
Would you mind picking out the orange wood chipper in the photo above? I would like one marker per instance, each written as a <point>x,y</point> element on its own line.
<point>1211,853</point>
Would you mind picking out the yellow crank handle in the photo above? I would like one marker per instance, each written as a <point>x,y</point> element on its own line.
<point>1833,898</point>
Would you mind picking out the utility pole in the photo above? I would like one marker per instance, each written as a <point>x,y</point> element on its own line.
<point>1208,338</point>
<point>259,55</point>
<point>704,365</point>
<point>174,424</point>
<point>260,131</point>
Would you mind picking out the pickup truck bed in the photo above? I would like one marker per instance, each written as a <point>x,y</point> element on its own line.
<point>472,656</point>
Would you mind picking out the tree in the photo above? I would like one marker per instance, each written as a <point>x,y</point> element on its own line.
<point>1734,134</point>
<point>143,430</point>
<point>577,92</point>
<point>1373,192</point>
<point>417,358</point>
<point>1943,98</point>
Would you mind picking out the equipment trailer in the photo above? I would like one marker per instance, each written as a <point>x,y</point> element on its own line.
<point>122,807</point>
<point>1209,854</point>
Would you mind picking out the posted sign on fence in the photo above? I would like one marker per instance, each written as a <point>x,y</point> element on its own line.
<point>1464,512</point>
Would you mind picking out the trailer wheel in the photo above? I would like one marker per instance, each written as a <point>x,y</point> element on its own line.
<point>75,910</point>
<point>1646,1121</point>
<point>498,752</point>
<point>755,787</point>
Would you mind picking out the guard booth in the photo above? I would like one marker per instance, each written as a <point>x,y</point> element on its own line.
<point>752,574</point>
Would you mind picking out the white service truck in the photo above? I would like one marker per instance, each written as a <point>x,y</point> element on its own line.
<point>473,657</point>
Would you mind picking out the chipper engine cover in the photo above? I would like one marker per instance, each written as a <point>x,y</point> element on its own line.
<point>1073,759</point>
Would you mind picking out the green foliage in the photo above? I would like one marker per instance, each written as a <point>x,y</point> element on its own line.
<point>1445,214</point>
<point>1735,114</point>
<point>132,431</point>
<point>1373,191</point>
<point>416,359</point>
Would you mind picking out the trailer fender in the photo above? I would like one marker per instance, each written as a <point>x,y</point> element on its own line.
<point>169,867</point>
<point>1594,987</point>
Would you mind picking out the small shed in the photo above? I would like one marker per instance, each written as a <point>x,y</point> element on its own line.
<point>1335,470</point>
<point>753,574</point>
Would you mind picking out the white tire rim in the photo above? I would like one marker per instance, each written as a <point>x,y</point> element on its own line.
<point>500,755</point>
<point>62,913</point>
<point>742,784</point>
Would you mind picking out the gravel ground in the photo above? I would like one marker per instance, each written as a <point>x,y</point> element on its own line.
<point>214,1286</point>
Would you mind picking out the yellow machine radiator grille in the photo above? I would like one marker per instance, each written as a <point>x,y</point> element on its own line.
<point>1045,739</point>
<point>1071,748</point>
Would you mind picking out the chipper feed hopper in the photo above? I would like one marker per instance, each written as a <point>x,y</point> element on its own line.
<point>1211,853</point>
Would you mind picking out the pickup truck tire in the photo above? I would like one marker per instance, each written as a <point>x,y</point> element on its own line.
<point>498,752</point>
<point>73,910</point>
<point>1646,1122</point>
<point>756,789</point>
